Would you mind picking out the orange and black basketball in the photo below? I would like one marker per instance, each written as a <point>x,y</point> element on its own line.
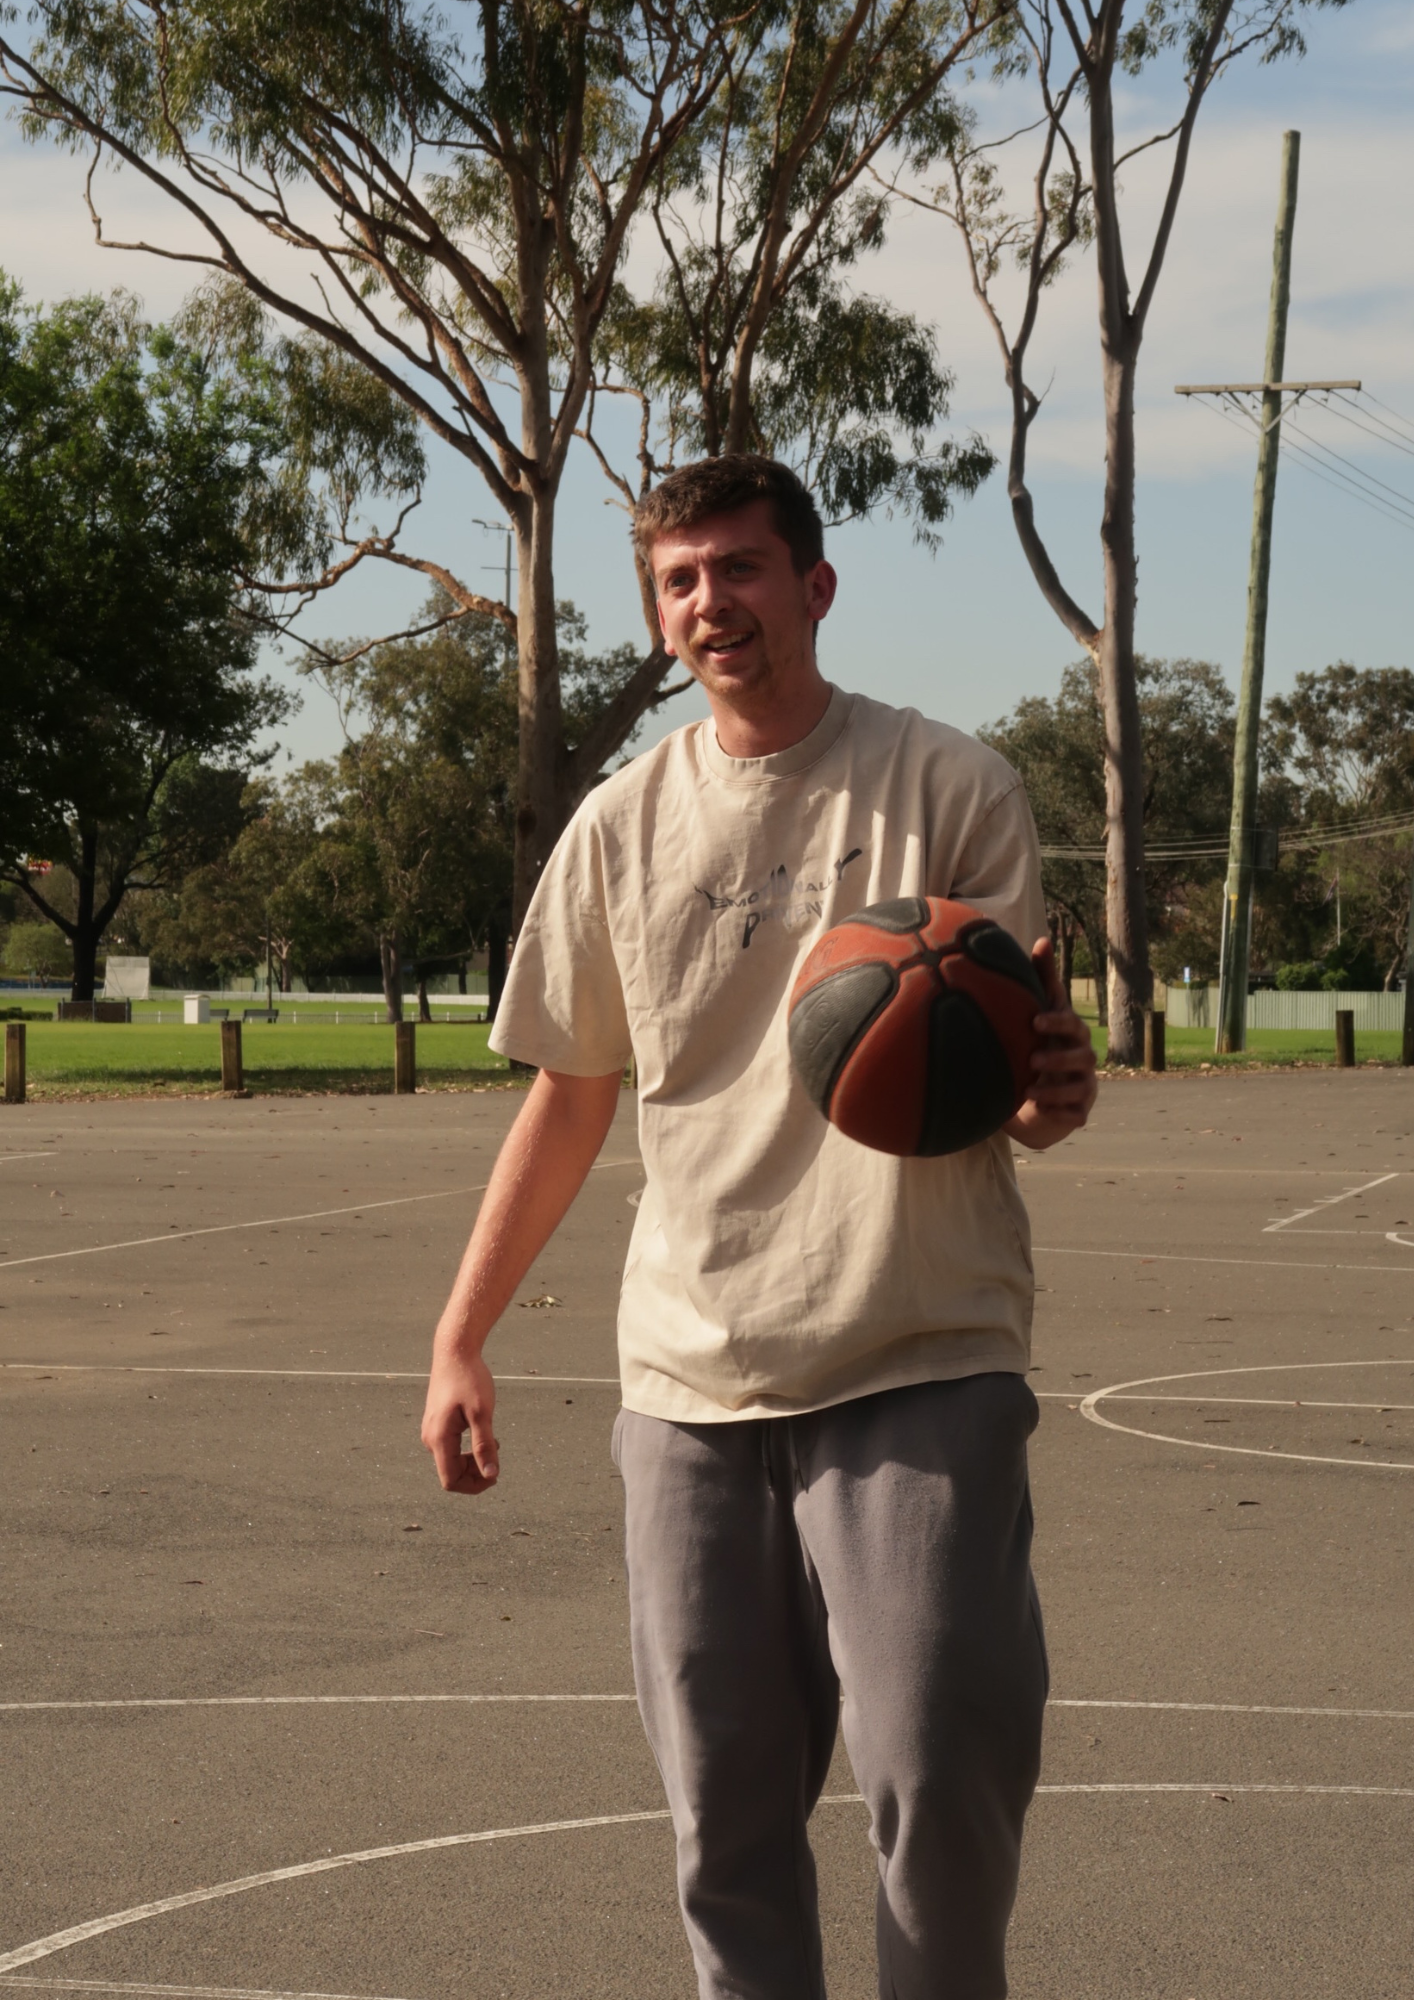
<point>912,1025</point>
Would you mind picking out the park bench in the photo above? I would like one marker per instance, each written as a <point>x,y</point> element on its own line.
<point>260,1014</point>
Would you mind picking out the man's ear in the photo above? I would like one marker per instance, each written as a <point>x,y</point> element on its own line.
<point>820,587</point>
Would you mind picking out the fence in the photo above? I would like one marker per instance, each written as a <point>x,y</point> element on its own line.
<point>1197,1007</point>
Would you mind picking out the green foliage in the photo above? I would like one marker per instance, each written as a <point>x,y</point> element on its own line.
<point>755,335</point>
<point>1058,746</point>
<point>418,813</point>
<point>36,949</point>
<point>1340,748</point>
<point>125,462</point>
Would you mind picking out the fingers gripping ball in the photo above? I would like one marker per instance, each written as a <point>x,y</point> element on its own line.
<point>912,1025</point>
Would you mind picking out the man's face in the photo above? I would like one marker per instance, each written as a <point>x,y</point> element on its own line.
<point>733,607</point>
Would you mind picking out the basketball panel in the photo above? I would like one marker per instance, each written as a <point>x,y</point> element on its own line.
<point>829,1018</point>
<point>1010,1008</point>
<point>851,944</point>
<point>879,1094</point>
<point>971,1090</point>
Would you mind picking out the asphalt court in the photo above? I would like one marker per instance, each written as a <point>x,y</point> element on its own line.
<point>278,1718</point>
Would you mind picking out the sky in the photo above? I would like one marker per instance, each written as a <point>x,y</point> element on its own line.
<point>964,634</point>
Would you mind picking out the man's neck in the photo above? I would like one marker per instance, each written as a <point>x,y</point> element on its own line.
<point>749,732</point>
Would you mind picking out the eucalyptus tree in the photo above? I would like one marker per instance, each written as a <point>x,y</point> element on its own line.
<point>441,196</point>
<point>1062,67</point>
<point>754,334</point>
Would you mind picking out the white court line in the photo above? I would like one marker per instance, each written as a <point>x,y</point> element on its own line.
<point>295,1374</point>
<point>1241,1708</point>
<point>1317,1791</point>
<point>1281,1222</point>
<point>306,1700</point>
<point>396,1700</point>
<point>1089,1410</point>
<point>1049,1167</point>
<point>612,1382</point>
<point>271,1221</point>
<point>45,1947</point>
<point>159,1992</point>
<point>1181,1257</point>
<point>7,1158</point>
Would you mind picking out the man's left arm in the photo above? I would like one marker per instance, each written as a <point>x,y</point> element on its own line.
<point>1063,1092</point>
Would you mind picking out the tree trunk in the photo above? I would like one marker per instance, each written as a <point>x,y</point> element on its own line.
<point>1130,981</point>
<point>85,932</point>
<point>391,962</point>
<point>424,1012</point>
<point>495,964</point>
<point>540,811</point>
<point>461,976</point>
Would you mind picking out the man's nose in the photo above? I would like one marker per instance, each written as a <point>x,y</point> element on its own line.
<point>713,597</point>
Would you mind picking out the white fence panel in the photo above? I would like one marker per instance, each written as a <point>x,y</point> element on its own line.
<point>1196,1007</point>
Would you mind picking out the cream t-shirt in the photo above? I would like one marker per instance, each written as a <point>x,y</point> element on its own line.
<point>776,1266</point>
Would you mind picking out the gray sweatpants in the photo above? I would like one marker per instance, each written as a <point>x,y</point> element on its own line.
<point>881,1547</point>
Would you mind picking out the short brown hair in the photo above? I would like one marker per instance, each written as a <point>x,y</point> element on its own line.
<point>722,486</point>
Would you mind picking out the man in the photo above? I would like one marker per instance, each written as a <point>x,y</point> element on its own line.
<point>823,1348</point>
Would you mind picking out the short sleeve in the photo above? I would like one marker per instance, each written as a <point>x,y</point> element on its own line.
<point>563,1004</point>
<point>999,868</point>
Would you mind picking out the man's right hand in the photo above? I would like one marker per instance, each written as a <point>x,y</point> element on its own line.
<point>461,1399</point>
<point>538,1172</point>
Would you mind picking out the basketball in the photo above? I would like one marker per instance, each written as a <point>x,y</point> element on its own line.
<point>912,1026</point>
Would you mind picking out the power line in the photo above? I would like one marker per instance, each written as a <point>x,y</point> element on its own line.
<point>1350,465</point>
<point>1233,413</point>
<point>1294,840</point>
<point>1404,422</point>
<point>1386,434</point>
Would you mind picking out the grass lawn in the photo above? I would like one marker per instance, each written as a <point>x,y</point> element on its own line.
<point>77,1059</point>
<point>1267,1048</point>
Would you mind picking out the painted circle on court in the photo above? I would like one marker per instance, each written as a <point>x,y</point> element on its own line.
<point>1089,1409</point>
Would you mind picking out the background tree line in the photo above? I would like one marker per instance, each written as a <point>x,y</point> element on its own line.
<point>1338,750</point>
<point>414,226</point>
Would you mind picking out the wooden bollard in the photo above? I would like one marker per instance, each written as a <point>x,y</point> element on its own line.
<point>1155,1057</point>
<point>404,1058</point>
<point>1344,1038</point>
<point>14,1062</point>
<point>232,1068</point>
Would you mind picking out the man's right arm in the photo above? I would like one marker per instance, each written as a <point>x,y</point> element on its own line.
<point>538,1172</point>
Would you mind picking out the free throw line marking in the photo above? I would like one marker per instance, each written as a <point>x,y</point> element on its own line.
<point>296,1374</point>
<point>395,1700</point>
<point>1089,1410</point>
<point>46,1947</point>
<point>1281,1222</point>
<point>187,1992</point>
<point>272,1221</point>
<point>1180,1257</point>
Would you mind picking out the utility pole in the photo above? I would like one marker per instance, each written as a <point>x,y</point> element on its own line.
<point>499,528</point>
<point>1237,913</point>
<point>1248,851</point>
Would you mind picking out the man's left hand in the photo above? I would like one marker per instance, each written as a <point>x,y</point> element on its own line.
<point>1063,1094</point>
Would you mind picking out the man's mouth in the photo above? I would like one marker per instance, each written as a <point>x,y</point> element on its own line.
<point>722,645</point>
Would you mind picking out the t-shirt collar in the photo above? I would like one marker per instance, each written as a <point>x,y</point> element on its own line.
<point>781,763</point>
